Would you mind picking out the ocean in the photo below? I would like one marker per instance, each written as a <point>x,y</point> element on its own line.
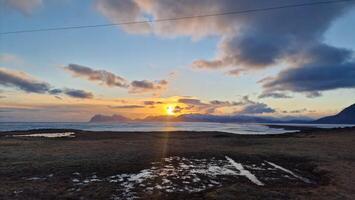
<point>237,128</point>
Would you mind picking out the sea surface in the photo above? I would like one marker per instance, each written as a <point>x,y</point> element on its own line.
<point>236,128</point>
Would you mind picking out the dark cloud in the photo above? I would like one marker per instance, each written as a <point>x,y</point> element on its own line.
<point>81,94</point>
<point>296,111</point>
<point>324,68</point>
<point>274,95</point>
<point>152,103</point>
<point>178,109</point>
<point>58,97</point>
<point>225,103</point>
<point>313,79</point>
<point>253,107</point>
<point>195,102</point>
<point>112,80</point>
<point>26,83</point>
<point>293,37</point>
<point>104,77</point>
<point>127,107</point>
<point>266,39</point>
<point>17,109</point>
<point>248,106</point>
<point>254,40</point>
<point>55,91</point>
<point>198,105</point>
<point>22,81</point>
<point>256,108</point>
<point>146,86</point>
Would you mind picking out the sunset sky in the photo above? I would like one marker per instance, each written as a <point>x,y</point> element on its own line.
<point>286,62</point>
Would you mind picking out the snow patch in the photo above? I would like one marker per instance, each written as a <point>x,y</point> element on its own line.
<point>188,175</point>
<point>306,180</point>
<point>244,172</point>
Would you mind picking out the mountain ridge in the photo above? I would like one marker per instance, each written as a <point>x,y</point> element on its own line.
<point>98,118</point>
<point>346,116</point>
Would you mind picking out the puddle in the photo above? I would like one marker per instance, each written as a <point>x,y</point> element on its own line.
<point>49,135</point>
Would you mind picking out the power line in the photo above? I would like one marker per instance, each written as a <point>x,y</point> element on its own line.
<point>179,18</point>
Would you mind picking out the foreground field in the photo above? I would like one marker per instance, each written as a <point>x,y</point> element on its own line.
<point>313,164</point>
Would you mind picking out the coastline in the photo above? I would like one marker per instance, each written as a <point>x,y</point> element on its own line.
<point>42,168</point>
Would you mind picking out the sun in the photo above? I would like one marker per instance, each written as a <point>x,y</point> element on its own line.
<point>170,110</point>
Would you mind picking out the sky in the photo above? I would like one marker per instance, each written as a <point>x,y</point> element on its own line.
<point>288,62</point>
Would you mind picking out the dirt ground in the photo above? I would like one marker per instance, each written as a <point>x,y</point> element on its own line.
<point>57,168</point>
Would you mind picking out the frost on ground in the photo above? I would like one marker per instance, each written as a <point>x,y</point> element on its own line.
<point>48,135</point>
<point>187,175</point>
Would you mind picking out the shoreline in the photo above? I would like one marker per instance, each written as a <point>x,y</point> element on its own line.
<point>298,130</point>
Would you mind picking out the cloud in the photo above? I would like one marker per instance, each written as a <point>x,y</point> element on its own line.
<point>10,58</point>
<point>152,103</point>
<point>213,106</point>
<point>124,11</point>
<point>112,80</point>
<point>256,108</point>
<point>178,109</point>
<point>194,102</point>
<point>226,103</point>
<point>104,77</point>
<point>247,41</point>
<point>252,107</point>
<point>81,94</point>
<point>17,109</point>
<point>146,86</point>
<point>274,95</point>
<point>2,96</point>
<point>235,72</point>
<point>296,111</point>
<point>55,91</point>
<point>22,81</point>
<point>127,106</point>
<point>312,79</point>
<point>252,41</point>
<point>24,6</point>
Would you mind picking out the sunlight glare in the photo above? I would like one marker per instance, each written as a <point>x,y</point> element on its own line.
<point>170,110</point>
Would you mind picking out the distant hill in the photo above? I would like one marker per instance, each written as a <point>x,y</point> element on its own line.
<point>346,116</point>
<point>105,118</point>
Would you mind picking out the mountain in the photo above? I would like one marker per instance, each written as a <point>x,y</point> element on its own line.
<point>105,118</point>
<point>203,118</point>
<point>346,116</point>
<point>160,118</point>
<point>226,119</point>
